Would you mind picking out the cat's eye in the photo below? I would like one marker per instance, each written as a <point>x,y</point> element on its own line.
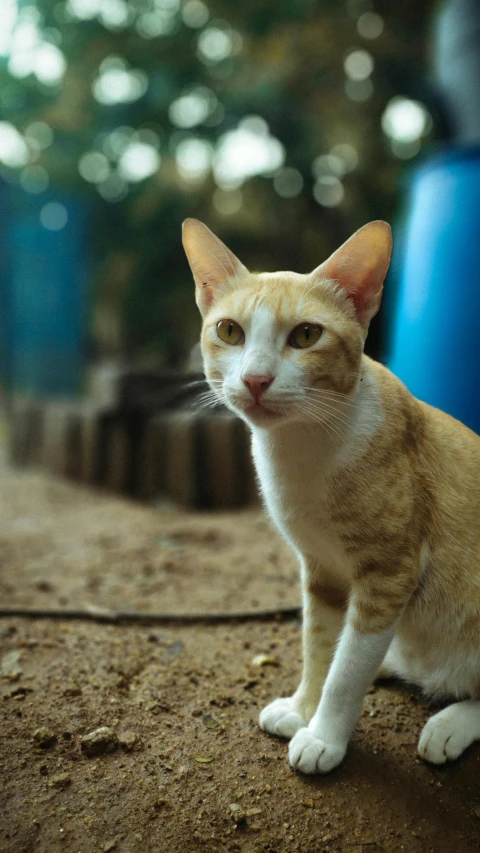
<point>304,335</point>
<point>230,332</point>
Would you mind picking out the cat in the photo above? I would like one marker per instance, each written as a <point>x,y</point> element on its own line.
<point>377,493</point>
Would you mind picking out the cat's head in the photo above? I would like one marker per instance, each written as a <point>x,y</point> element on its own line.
<point>282,345</point>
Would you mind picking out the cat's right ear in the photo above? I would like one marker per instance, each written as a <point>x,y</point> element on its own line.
<point>213,265</point>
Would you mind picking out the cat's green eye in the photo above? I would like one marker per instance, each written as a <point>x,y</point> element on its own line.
<point>304,335</point>
<point>230,332</point>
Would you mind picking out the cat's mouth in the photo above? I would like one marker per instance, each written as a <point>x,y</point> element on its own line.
<point>258,411</point>
<point>261,411</point>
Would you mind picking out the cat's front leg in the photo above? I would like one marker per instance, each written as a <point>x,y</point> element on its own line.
<point>324,605</point>
<point>322,745</point>
<point>367,634</point>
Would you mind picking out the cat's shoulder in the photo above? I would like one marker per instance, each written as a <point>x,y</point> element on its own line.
<point>400,406</point>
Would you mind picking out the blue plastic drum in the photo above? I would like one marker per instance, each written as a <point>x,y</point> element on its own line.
<point>43,292</point>
<point>435,332</point>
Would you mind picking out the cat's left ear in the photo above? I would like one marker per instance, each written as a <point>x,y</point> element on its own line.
<point>212,263</point>
<point>360,267</point>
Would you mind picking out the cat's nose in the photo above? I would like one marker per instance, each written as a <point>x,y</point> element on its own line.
<point>257,384</point>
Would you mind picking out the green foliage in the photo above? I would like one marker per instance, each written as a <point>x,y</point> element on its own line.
<point>283,61</point>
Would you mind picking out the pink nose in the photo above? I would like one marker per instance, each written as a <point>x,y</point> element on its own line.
<point>257,385</point>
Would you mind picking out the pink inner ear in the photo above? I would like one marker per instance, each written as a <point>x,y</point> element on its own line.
<point>207,294</point>
<point>360,267</point>
<point>211,262</point>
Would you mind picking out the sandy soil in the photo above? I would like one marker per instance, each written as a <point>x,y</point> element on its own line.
<point>183,766</point>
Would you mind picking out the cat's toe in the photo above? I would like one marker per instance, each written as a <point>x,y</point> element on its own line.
<point>311,754</point>
<point>281,719</point>
<point>443,737</point>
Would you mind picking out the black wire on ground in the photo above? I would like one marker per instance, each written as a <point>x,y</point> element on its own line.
<point>98,614</point>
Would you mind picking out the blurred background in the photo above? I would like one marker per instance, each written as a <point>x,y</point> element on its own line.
<point>284,125</point>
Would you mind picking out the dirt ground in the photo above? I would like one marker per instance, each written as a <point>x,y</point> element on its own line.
<point>182,765</point>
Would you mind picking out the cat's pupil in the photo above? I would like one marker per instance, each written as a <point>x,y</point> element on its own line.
<point>307,332</point>
<point>230,329</point>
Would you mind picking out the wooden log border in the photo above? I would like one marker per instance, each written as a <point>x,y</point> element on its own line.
<point>195,459</point>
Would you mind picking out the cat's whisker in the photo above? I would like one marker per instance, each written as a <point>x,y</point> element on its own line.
<point>329,411</point>
<point>325,422</point>
<point>330,391</point>
<point>341,402</point>
<point>332,416</point>
<point>195,382</point>
<point>329,429</point>
<point>334,397</point>
<point>209,399</point>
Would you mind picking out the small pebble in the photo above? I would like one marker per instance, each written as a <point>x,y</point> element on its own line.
<point>128,740</point>
<point>44,738</point>
<point>264,660</point>
<point>61,780</point>
<point>99,742</point>
<point>10,665</point>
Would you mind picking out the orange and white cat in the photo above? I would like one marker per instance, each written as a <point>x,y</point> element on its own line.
<point>377,493</point>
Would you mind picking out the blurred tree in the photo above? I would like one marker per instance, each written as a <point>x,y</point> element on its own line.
<point>281,123</point>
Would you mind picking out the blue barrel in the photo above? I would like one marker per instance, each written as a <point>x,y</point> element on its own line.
<point>435,330</point>
<point>43,292</point>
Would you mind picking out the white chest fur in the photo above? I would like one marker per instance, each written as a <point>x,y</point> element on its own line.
<point>293,465</point>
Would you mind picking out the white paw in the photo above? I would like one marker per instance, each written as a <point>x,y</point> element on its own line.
<point>445,736</point>
<point>310,754</point>
<point>281,718</point>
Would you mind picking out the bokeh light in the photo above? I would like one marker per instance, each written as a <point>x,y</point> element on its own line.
<point>193,107</point>
<point>358,90</point>
<point>94,167</point>
<point>117,84</point>
<point>328,164</point>
<point>370,25</point>
<point>54,216</point>
<point>347,153</point>
<point>114,188</point>
<point>8,19</point>
<point>195,14</point>
<point>358,64</point>
<point>218,42</point>
<point>227,202</point>
<point>288,182</point>
<point>328,191</point>
<point>405,120</point>
<point>39,135</point>
<point>249,150</point>
<point>34,179</point>
<point>115,143</point>
<point>115,14</point>
<point>138,161</point>
<point>30,52</point>
<point>13,148</point>
<point>193,158</point>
